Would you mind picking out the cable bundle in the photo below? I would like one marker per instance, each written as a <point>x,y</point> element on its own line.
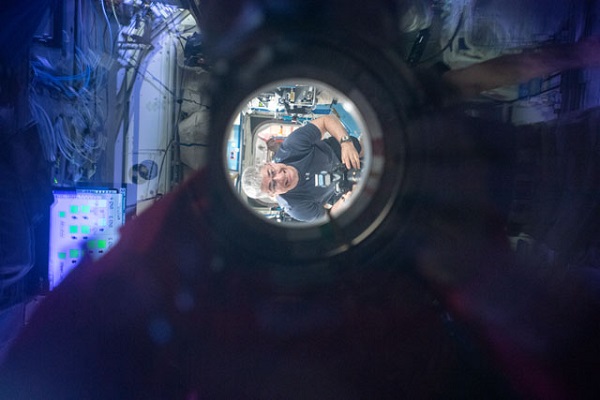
<point>69,118</point>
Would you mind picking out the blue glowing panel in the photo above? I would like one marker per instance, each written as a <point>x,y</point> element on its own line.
<point>82,222</point>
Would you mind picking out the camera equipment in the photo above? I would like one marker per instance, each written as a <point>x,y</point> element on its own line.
<point>343,179</point>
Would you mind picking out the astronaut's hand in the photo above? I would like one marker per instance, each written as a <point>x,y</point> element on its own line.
<point>350,156</point>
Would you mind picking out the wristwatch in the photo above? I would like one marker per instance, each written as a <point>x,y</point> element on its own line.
<point>345,139</point>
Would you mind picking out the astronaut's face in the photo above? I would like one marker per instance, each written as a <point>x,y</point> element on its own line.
<point>278,178</point>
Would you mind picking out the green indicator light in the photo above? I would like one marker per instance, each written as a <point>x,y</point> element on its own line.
<point>74,209</point>
<point>91,244</point>
<point>62,214</point>
<point>85,229</point>
<point>101,244</point>
<point>73,229</point>
<point>85,209</point>
<point>73,253</point>
<point>62,255</point>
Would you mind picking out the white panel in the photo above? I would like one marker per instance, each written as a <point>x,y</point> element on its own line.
<point>152,118</point>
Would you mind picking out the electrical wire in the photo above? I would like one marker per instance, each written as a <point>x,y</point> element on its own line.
<point>74,132</point>
<point>165,87</point>
<point>162,161</point>
<point>44,74</point>
<point>112,5</point>
<point>73,135</point>
<point>45,129</point>
<point>110,32</point>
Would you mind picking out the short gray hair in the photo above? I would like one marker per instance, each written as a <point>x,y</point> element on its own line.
<point>252,181</point>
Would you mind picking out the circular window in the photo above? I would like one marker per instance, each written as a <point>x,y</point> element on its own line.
<point>284,155</point>
<point>284,105</point>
